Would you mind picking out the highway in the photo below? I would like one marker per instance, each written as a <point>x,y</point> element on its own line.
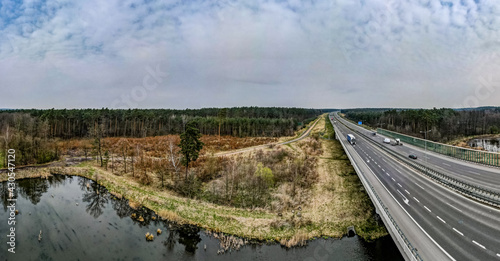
<point>484,176</point>
<point>450,226</point>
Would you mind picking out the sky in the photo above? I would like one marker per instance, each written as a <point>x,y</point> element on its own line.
<point>224,53</point>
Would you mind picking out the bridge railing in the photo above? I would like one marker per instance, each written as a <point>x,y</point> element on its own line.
<point>404,242</point>
<point>482,157</point>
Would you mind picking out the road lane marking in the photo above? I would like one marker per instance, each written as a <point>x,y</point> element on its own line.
<point>454,207</point>
<point>481,246</point>
<point>399,171</point>
<point>462,234</point>
<point>400,185</point>
<point>404,198</point>
<point>498,254</point>
<point>388,174</point>
<point>383,170</point>
<point>441,219</point>
<point>414,221</point>
<point>419,186</point>
<point>416,199</point>
<point>384,159</point>
<point>427,209</point>
<point>393,179</point>
<point>474,172</point>
<point>407,192</point>
<point>446,164</point>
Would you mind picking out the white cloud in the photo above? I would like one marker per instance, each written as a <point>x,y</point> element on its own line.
<point>334,53</point>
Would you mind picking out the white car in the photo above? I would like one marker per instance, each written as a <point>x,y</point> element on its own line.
<point>386,140</point>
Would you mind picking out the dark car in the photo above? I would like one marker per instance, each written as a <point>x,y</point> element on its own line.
<point>412,156</point>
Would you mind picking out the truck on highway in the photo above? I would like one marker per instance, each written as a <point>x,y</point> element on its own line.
<point>351,139</point>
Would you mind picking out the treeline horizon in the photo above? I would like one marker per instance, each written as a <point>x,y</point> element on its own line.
<point>444,124</point>
<point>237,121</point>
<point>33,132</point>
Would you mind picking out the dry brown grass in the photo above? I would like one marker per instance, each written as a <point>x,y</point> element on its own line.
<point>169,215</point>
<point>299,239</point>
<point>28,173</point>
<point>158,145</point>
<point>134,204</point>
<point>117,195</point>
<point>149,237</point>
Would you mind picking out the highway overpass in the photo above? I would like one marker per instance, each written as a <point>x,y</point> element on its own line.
<point>428,218</point>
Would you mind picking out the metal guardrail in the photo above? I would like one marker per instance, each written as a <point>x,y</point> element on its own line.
<point>482,157</point>
<point>476,192</point>
<point>404,241</point>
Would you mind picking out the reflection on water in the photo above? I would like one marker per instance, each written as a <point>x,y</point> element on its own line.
<point>80,220</point>
<point>489,144</point>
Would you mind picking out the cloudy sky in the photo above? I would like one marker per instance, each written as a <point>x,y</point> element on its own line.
<point>192,54</point>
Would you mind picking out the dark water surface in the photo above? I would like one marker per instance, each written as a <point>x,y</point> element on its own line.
<point>87,223</point>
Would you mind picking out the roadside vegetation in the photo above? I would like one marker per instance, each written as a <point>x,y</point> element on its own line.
<point>281,193</point>
<point>445,124</point>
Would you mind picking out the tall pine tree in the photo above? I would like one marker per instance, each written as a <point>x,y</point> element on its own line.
<point>190,144</point>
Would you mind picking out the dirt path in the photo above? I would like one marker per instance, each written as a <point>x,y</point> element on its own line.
<point>304,134</point>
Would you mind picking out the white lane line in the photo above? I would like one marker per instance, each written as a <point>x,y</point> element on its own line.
<point>407,192</point>
<point>454,207</point>
<point>474,172</point>
<point>446,164</point>
<point>462,234</point>
<point>388,174</point>
<point>404,198</point>
<point>427,209</point>
<point>481,246</point>
<point>400,185</point>
<point>498,254</point>
<point>414,221</point>
<point>416,199</point>
<point>384,160</point>
<point>399,171</point>
<point>441,219</point>
<point>383,170</point>
<point>379,166</point>
<point>419,186</point>
<point>393,179</point>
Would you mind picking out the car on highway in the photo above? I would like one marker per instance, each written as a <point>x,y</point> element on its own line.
<point>411,156</point>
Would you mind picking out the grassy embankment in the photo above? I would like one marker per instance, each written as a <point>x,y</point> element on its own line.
<point>335,201</point>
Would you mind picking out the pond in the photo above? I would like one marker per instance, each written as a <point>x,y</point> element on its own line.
<point>80,220</point>
<point>489,144</point>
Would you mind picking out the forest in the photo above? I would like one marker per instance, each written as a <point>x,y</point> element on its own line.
<point>241,121</point>
<point>445,124</point>
<point>33,132</point>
